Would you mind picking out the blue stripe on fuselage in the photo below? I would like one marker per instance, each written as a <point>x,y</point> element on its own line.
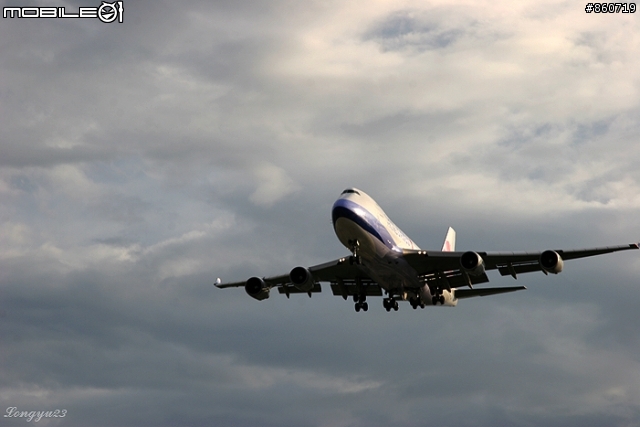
<point>352,211</point>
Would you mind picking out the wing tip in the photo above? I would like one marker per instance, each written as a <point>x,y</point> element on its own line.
<point>217,283</point>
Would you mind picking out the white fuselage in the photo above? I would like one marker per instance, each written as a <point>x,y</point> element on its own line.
<point>363,227</point>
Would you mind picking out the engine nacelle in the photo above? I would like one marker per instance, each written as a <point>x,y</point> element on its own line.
<point>551,262</point>
<point>302,279</point>
<point>256,288</point>
<point>472,263</point>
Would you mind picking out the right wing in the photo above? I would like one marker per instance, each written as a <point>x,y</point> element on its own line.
<point>328,272</point>
<point>345,278</point>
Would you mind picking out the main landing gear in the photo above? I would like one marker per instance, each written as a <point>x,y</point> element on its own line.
<point>416,302</point>
<point>437,299</point>
<point>390,303</point>
<point>361,303</point>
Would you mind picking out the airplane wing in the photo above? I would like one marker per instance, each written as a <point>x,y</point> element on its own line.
<point>273,281</point>
<point>327,272</point>
<point>346,279</point>
<point>439,269</point>
<point>507,263</point>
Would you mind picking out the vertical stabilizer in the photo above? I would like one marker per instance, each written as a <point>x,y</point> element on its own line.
<point>449,241</point>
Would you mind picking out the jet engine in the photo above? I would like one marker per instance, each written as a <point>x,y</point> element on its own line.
<point>257,288</point>
<point>551,262</point>
<point>302,279</point>
<point>472,263</point>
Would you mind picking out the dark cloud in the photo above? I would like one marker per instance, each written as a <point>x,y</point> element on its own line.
<point>415,30</point>
<point>140,161</point>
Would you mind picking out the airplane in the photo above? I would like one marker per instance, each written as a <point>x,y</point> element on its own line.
<point>385,260</point>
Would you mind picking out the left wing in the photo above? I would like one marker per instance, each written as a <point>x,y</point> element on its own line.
<point>461,267</point>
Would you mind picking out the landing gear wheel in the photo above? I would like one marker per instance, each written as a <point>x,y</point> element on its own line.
<point>365,306</point>
<point>442,299</point>
<point>357,305</point>
<point>434,300</point>
<point>395,305</point>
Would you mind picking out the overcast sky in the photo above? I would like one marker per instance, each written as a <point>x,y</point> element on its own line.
<point>141,160</point>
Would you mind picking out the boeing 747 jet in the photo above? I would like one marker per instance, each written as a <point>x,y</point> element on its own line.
<point>386,262</point>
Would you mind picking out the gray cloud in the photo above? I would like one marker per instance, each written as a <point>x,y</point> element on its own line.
<point>415,30</point>
<point>140,161</point>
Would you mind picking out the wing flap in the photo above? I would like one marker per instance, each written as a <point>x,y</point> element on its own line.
<point>425,262</point>
<point>347,289</point>
<point>337,269</point>
<point>506,270</point>
<point>287,290</point>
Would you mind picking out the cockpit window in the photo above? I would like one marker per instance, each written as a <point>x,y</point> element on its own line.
<point>348,190</point>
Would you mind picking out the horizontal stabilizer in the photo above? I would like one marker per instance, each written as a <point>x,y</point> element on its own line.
<point>479,292</point>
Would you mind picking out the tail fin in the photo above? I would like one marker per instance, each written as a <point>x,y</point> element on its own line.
<point>449,241</point>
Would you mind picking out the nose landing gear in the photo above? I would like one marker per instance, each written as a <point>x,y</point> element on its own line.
<point>355,258</point>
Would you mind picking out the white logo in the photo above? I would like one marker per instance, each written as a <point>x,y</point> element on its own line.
<point>107,12</point>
